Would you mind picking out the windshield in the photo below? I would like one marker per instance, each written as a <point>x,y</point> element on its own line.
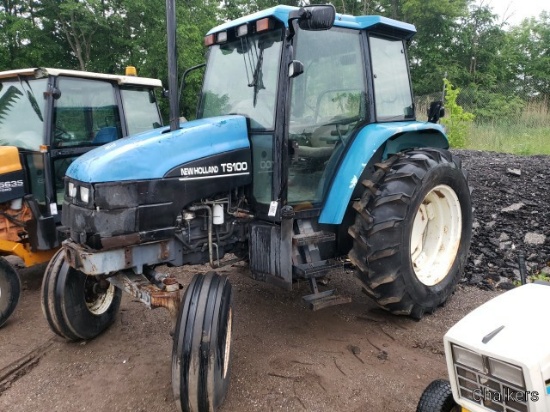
<point>21,113</point>
<point>242,77</point>
<point>140,109</point>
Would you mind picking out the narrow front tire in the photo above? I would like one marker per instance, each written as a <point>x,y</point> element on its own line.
<point>76,306</point>
<point>201,355</point>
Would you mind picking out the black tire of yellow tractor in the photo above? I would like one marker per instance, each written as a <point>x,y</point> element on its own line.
<point>10,290</point>
<point>383,227</point>
<point>437,397</point>
<point>64,296</point>
<point>201,355</point>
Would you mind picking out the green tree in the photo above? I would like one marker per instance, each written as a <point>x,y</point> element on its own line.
<point>529,66</point>
<point>20,28</point>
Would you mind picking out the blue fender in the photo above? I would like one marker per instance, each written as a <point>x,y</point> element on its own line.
<point>367,142</point>
<point>150,155</point>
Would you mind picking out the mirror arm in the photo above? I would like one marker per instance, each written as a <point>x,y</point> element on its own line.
<point>292,17</point>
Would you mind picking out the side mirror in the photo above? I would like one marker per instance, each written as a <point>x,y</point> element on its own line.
<point>318,17</point>
<point>436,111</point>
<point>295,68</point>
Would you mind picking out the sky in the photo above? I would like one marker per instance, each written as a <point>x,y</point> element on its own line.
<point>517,10</point>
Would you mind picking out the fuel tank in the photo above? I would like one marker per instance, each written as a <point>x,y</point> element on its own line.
<point>132,190</point>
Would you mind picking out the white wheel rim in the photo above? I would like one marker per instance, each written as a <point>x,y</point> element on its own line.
<point>227,347</point>
<point>102,301</point>
<point>435,236</point>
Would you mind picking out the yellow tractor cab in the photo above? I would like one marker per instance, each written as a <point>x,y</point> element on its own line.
<point>49,117</point>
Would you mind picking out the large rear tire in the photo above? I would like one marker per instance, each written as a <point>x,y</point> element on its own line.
<point>412,231</point>
<point>10,290</point>
<point>201,355</point>
<point>76,306</point>
<point>438,397</point>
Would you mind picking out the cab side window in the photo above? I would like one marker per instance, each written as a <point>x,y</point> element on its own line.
<point>86,113</point>
<point>392,90</point>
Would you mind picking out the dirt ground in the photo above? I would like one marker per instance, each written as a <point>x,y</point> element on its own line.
<point>350,357</point>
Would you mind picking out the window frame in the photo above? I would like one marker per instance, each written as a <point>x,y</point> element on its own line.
<point>397,117</point>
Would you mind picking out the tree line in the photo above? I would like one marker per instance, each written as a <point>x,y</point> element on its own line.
<point>501,66</point>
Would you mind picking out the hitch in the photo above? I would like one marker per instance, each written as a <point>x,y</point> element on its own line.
<point>163,293</point>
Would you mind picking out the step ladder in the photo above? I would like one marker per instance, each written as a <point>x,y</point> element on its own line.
<point>307,264</point>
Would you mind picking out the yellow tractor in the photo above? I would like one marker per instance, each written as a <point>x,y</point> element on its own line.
<point>49,117</point>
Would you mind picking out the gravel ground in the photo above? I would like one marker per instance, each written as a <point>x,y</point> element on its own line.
<point>511,199</point>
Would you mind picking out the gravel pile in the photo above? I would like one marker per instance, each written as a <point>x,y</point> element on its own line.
<point>511,200</point>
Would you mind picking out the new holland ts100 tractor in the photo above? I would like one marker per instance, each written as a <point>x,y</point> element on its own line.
<point>48,117</point>
<point>306,150</point>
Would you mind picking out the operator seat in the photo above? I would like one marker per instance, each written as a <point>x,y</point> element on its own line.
<point>321,144</point>
<point>105,135</point>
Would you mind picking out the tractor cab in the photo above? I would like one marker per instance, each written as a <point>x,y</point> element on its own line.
<point>344,78</point>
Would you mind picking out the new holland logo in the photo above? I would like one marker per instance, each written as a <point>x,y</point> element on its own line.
<point>223,170</point>
<point>199,170</point>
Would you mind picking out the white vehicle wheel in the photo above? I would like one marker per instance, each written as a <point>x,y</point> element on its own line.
<point>435,236</point>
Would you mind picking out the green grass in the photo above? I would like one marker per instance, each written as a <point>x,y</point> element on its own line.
<point>513,138</point>
<point>527,135</point>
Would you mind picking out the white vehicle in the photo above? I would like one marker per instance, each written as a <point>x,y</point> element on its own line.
<point>498,357</point>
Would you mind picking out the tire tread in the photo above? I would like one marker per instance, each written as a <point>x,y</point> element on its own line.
<point>379,225</point>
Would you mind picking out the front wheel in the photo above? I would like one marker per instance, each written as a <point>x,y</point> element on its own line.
<point>438,397</point>
<point>10,290</point>
<point>202,344</point>
<point>77,306</point>
<point>412,231</point>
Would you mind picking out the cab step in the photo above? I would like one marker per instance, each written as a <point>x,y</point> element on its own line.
<point>316,269</point>
<point>320,300</point>
<point>304,239</point>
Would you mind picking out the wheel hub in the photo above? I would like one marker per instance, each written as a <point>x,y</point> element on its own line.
<point>98,298</point>
<point>435,235</point>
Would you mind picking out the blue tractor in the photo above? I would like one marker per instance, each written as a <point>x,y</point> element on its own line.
<point>306,151</point>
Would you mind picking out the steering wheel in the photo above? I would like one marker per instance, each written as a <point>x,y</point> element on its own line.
<point>62,135</point>
<point>340,121</point>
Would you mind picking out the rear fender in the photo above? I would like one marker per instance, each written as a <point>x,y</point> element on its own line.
<point>392,138</point>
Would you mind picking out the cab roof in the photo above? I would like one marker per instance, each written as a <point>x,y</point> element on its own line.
<point>45,72</point>
<point>379,23</point>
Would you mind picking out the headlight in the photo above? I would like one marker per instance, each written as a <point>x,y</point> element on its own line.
<point>84,194</point>
<point>71,189</point>
<point>506,372</point>
<point>468,358</point>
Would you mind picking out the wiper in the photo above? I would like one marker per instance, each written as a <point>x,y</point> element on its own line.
<point>257,76</point>
<point>250,52</point>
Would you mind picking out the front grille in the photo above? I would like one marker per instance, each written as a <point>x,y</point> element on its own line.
<point>490,392</point>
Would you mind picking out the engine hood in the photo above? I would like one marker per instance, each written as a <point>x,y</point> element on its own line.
<point>512,326</point>
<point>152,154</point>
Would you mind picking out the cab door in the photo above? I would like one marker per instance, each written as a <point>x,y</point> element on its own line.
<point>328,103</point>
